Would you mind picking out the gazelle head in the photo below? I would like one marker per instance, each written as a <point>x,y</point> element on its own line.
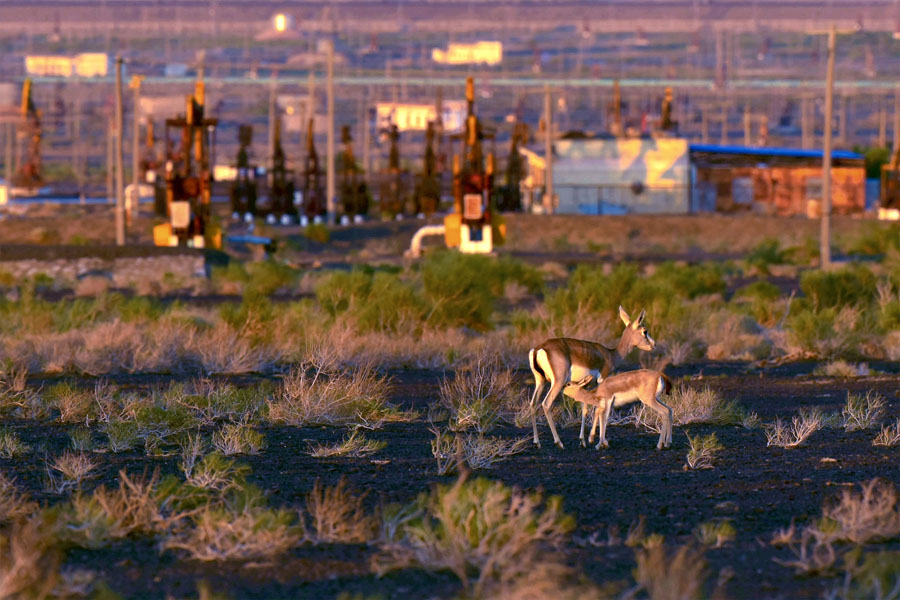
<point>635,334</point>
<point>576,391</point>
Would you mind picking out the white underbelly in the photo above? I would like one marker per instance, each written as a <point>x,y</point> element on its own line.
<point>577,373</point>
<point>626,398</point>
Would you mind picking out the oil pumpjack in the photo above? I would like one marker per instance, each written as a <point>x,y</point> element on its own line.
<point>312,202</point>
<point>27,177</point>
<point>281,186</point>
<point>473,227</point>
<point>188,179</point>
<point>243,190</point>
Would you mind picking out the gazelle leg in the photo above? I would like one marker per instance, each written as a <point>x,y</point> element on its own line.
<point>584,409</point>
<point>603,418</point>
<point>598,414</point>
<point>555,388</point>
<point>665,434</point>
<point>539,383</point>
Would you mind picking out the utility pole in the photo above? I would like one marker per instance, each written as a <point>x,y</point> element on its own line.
<point>548,151</point>
<point>329,165</point>
<point>747,125</point>
<point>8,162</point>
<point>825,232</point>
<point>270,147</point>
<point>110,163</point>
<point>805,133</point>
<point>882,124</point>
<point>119,159</point>
<point>133,202</point>
<point>896,144</point>
<point>723,133</point>
<point>365,134</point>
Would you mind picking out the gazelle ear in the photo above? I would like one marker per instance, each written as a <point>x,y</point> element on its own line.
<point>640,320</point>
<point>624,316</point>
<point>583,381</point>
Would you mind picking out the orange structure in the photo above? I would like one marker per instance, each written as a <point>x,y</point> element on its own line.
<point>774,180</point>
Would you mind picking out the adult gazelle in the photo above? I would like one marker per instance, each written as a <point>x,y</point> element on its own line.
<point>562,360</point>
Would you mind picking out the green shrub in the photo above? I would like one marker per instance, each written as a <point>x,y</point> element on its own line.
<point>758,298</point>
<point>461,288</point>
<point>849,286</point>
<point>876,239</point>
<point>266,277</point>
<point>758,290</point>
<point>889,316</point>
<point>482,531</point>
<point>317,233</point>
<point>376,300</point>
<point>662,294</point>
<point>830,332</point>
<point>768,252</point>
<point>340,290</point>
<point>122,435</point>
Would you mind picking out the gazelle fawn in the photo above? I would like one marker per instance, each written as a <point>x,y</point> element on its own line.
<point>561,360</point>
<point>644,385</point>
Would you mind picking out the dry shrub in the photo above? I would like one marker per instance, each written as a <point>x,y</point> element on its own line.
<point>730,336</point>
<point>677,575</point>
<point>703,449</point>
<point>13,503</point>
<point>889,435</point>
<point>891,345</point>
<point>863,412</point>
<point>814,551</point>
<point>68,471</point>
<point>715,534</point>
<point>867,515</point>
<point>11,445</point>
<point>222,350</point>
<point>91,521</point>
<point>487,534</point>
<point>872,514</point>
<point>840,368</point>
<point>326,395</point>
<point>337,515</point>
<point>92,286</point>
<point>691,405</point>
<point>802,426</point>
<point>477,451</point>
<point>356,445</point>
<point>249,535</point>
<point>214,471</point>
<point>476,395</point>
<point>29,563</point>
<point>73,404</point>
<point>238,438</point>
<point>13,375</point>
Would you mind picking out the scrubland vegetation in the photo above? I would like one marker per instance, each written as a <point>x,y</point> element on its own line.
<point>450,308</point>
<point>370,428</point>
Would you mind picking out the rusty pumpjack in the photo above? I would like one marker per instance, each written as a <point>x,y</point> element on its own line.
<point>312,200</point>
<point>281,187</point>
<point>188,179</point>
<point>473,226</point>
<point>27,177</point>
<point>889,208</point>
<point>428,187</point>
<point>354,193</point>
<point>243,190</point>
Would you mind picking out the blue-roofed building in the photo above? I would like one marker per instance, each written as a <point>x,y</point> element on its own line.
<point>782,181</point>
